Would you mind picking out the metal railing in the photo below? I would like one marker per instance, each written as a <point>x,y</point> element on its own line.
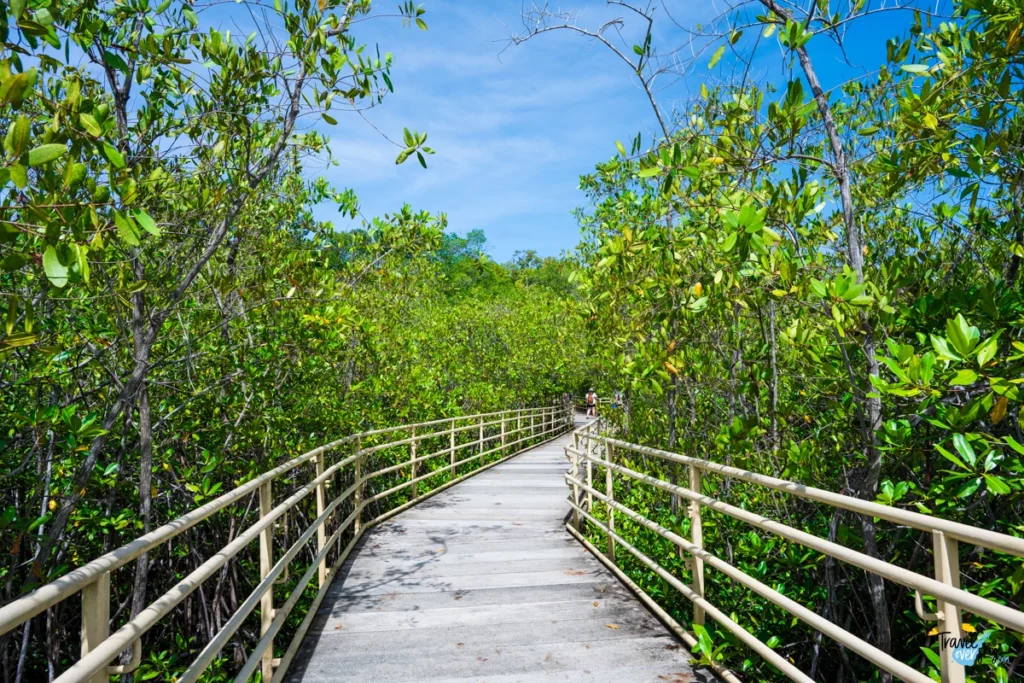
<point>501,434</point>
<point>596,457</point>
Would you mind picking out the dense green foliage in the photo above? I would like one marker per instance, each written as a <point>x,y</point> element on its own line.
<point>827,287</point>
<point>820,285</point>
<point>177,321</point>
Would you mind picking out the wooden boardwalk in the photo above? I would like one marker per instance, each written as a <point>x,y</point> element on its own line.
<point>483,583</point>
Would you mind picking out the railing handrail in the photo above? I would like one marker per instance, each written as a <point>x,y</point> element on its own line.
<point>993,540</point>
<point>94,576</point>
<point>592,449</point>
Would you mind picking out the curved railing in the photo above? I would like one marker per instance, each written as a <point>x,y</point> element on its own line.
<point>339,523</point>
<point>598,457</point>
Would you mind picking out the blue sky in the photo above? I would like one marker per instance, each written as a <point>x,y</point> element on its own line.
<point>514,127</point>
<point>512,132</point>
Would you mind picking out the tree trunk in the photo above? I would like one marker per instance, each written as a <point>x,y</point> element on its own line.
<point>145,453</point>
<point>867,485</point>
<point>775,379</point>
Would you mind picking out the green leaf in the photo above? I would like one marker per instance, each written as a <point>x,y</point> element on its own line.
<point>147,222</point>
<point>704,643</point>
<point>19,175</point>
<point>769,30</point>
<point>932,657</point>
<point>162,7</point>
<point>649,172</point>
<point>952,458</point>
<point>996,484</point>
<point>622,150</point>
<point>126,229</point>
<point>114,61</point>
<point>13,262</point>
<point>17,137</point>
<point>190,16</point>
<point>987,350</point>
<point>14,88</point>
<point>74,174</point>
<point>715,57</point>
<point>44,154</point>
<point>56,272</point>
<point>329,119</point>
<point>12,315</point>
<point>17,8</point>
<point>969,488</point>
<point>965,450</point>
<point>91,125</point>
<point>942,349</point>
<point>850,291</point>
<point>915,68</point>
<point>964,378</point>
<point>113,155</point>
<point>962,335</point>
<point>1014,444</point>
<point>18,339</point>
<point>81,257</point>
<point>730,241</point>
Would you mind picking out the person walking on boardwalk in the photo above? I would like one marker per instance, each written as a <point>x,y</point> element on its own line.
<point>591,404</point>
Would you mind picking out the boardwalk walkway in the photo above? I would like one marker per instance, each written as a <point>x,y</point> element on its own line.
<point>483,583</point>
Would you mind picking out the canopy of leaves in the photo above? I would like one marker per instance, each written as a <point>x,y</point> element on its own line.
<point>751,319</point>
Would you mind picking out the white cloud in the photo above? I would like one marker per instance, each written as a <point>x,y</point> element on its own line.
<point>512,135</point>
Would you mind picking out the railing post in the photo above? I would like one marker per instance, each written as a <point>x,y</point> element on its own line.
<point>519,425</point>
<point>610,492</point>
<point>503,453</point>
<point>266,564</point>
<point>413,467</point>
<point>451,448</point>
<point>947,570</point>
<point>321,532</point>
<point>358,483</point>
<point>576,487</point>
<point>590,479</point>
<point>697,538</point>
<point>96,619</point>
<point>481,434</point>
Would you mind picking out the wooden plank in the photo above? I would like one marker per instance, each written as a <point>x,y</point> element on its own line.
<point>482,583</point>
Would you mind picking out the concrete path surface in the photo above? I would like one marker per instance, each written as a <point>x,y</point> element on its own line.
<point>482,583</point>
